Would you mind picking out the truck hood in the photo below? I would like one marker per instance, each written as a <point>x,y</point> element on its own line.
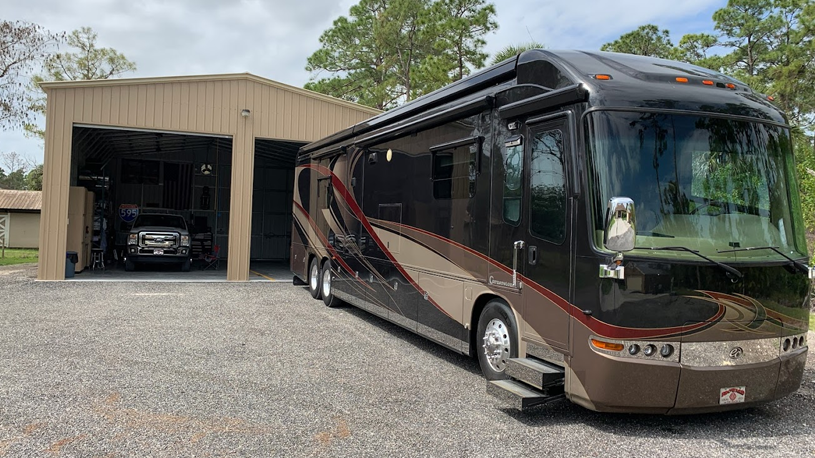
<point>160,229</point>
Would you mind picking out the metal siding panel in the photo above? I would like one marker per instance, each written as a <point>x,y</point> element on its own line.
<point>96,113</point>
<point>184,107</point>
<point>105,115</point>
<point>76,102</point>
<point>141,105</point>
<point>161,105</point>
<point>324,121</point>
<point>233,104</point>
<point>132,105</point>
<point>287,109</point>
<point>87,105</point>
<point>176,108</point>
<point>268,113</point>
<point>279,103</point>
<point>56,173</point>
<point>201,107</point>
<point>150,106</point>
<point>211,110</point>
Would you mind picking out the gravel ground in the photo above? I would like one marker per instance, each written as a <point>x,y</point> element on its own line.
<point>106,369</point>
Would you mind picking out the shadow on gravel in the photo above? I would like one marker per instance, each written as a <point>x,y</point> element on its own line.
<point>418,342</point>
<point>768,421</point>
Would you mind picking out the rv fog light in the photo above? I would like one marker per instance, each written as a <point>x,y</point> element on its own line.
<point>649,350</point>
<point>786,344</point>
<point>666,350</point>
<point>633,349</point>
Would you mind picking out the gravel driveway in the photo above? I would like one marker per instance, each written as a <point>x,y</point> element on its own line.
<point>223,369</point>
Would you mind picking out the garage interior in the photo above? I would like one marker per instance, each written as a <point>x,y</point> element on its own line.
<point>115,171</point>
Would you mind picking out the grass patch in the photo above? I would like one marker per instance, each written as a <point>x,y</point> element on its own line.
<point>19,256</point>
<point>812,321</point>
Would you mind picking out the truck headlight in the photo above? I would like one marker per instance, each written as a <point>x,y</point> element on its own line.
<point>133,239</point>
<point>185,240</point>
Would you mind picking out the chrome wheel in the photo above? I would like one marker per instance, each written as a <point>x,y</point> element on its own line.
<point>326,280</point>
<point>314,277</point>
<point>497,346</point>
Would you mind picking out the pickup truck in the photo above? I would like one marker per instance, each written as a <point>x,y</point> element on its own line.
<point>158,238</point>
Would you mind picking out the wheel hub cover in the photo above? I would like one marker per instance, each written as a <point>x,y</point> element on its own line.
<point>496,344</point>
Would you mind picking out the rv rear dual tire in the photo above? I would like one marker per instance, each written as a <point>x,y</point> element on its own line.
<point>326,279</point>
<point>314,277</point>
<point>496,339</point>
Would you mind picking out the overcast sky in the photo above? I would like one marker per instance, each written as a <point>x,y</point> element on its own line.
<point>273,38</point>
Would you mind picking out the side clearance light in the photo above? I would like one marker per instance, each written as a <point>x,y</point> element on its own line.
<point>680,79</point>
<point>602,77</point>
<point>610,346</point>
<point>771,98</point>
<point>730,86</point>
<point>707,82</point>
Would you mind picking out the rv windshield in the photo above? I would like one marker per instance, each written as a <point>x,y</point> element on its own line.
<point>704,183</point>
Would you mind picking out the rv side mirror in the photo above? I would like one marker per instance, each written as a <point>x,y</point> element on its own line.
<point>621,231</point>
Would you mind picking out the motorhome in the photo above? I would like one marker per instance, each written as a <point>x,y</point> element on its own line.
<point>622,231</point>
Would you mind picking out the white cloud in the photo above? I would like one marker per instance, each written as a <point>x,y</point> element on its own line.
<point>273,38</point>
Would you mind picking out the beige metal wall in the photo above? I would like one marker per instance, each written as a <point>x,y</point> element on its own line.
<point>24,229</point>
<point>204,104</point>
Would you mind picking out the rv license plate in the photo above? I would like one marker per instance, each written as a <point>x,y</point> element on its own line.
<point>731,395</point>
<point>158,251</point>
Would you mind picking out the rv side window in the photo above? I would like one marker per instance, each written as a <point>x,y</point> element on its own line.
<point>513,178</point>
<point>547,212</point>
<point>454,172</point>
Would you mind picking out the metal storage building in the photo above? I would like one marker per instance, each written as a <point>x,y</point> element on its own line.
<point>167,141</point>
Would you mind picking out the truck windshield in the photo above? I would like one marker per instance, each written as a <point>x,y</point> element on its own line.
<point>160,220</point>
<point>709,184</point>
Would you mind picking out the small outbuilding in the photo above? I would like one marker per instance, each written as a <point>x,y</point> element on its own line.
<point>218,149</point>
<point>20,218</point>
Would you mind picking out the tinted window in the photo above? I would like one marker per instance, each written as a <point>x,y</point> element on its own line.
<point>547,180</point>
<point>513,179</point>
<point>454,172</point>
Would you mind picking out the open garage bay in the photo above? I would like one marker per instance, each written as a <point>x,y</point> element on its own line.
<point>182,369</point>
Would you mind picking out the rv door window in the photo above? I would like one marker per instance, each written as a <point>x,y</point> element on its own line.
<point>547,215</point>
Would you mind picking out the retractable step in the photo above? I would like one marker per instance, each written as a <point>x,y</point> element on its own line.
<point>519,395</point>
<point>534,372</point>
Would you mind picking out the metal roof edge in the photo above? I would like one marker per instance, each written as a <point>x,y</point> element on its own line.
<point>47,85</point>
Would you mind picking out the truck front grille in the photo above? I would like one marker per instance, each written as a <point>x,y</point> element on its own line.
<point>158,240</point>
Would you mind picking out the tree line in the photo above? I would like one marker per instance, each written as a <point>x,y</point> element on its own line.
<point>29,55</point>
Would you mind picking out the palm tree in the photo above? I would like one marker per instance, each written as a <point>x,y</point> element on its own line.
<point>514,50</point>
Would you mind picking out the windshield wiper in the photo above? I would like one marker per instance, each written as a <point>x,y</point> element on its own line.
<point>801,266</point>
<point>655,234</point>
<point>726,268</point>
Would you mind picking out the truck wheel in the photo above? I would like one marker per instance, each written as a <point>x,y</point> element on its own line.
<point>185,267</point>
<point>325,279</point>
<point>496,339</point>
<point>314,278</point>
<point>130,266</point>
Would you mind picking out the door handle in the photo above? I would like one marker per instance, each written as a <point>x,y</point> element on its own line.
<point>518,246</point>
<point>533,255</point>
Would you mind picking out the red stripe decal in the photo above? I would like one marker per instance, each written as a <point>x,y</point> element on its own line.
<point>339,187</point>
<point>330,248</point>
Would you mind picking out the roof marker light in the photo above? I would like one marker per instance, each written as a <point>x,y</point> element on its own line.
<point>602,77</point>
<point>707,82</point>
<point>680,79</point>
<point>730,86</point>
<point>770,98</point>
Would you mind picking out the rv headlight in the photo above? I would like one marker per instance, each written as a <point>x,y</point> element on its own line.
<point>133,239</point>
<point>185,240</point>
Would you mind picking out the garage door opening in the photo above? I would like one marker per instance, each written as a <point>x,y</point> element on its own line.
<point>119,175</point>
<point>272,207</point>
